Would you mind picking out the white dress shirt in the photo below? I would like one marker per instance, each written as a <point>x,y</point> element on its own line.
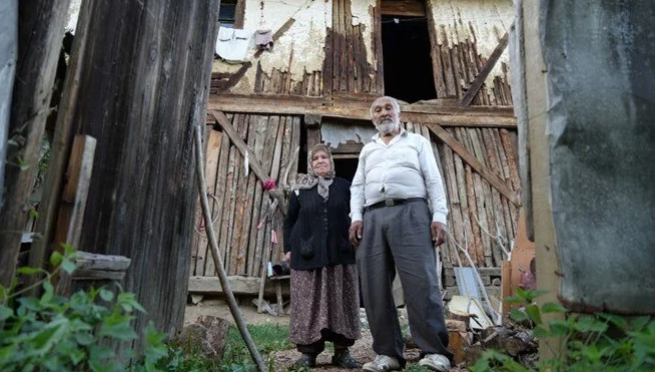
<point>404,168</point>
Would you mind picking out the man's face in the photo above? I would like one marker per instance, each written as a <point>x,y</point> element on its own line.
<point>384,117</point>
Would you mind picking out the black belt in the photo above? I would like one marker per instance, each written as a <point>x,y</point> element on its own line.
<point>392,203</point>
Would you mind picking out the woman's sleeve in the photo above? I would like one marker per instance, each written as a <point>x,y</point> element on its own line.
<point>290,220</point>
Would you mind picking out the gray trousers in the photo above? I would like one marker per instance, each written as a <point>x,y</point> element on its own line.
<point>401,236</point>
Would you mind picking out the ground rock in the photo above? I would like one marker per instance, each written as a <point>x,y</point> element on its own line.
<point>207,336</point>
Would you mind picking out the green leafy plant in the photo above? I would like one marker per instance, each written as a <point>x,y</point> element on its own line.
<point>54,333</point>
<point>599,342</point>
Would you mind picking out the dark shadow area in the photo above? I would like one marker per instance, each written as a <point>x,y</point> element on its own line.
<point>345,168</point>
<point>406,59</point>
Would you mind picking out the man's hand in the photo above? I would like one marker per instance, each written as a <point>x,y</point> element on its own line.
<point>438,230</point>
<point>355,233</point>
<point>288,257</point>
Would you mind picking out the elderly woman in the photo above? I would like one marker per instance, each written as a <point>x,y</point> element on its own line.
<point>324,280</point>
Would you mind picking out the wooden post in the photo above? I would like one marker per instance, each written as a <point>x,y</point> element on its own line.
<point>40,30</point>
<point>139,82</point>
<point>74,199</point>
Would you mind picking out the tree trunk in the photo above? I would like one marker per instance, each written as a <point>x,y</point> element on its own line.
<point>138,83</point>
<point>40,31</point>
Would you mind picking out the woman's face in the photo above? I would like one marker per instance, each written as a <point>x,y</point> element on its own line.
<point>320,163</point>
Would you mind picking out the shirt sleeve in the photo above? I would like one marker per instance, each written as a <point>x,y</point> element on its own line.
<point>357,190</point>
<point>433,180</point>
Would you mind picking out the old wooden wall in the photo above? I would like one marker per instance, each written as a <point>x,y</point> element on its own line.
<point>344,59</point>
<point>238,202</point>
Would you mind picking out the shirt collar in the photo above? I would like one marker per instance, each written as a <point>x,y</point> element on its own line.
<point>376,136</point>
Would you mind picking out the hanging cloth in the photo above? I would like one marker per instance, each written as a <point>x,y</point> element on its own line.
<point>264,39</point>
<point>232,45</point>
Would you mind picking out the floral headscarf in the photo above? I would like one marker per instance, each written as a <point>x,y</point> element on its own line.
<point>308,181</point>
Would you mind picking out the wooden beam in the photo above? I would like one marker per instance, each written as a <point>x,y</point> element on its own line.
<point>404,8</point>
<point>477,116</point>
<point>255,165</point>
<point>484,171</point>
<point>74,200</point>
<point>485,71</point>
<point>240,285</point>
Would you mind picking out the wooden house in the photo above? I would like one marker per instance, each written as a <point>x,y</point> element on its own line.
<point>445,60</point>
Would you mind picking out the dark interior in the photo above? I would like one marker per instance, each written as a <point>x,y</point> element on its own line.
<point>407,62</point>
<point>345,168</point>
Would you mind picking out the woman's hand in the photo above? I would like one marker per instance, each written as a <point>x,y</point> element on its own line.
<point>288,257</point>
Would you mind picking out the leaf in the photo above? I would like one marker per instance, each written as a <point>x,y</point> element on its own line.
<point>29,303</point>
<point>518,316</point>
<point>515,300</point>
<point>5,312</point>
<point>48,292</point>
<point>56,258</point>
<point>98,354</point>
<point>552,307</point>
<point>68,266</point>
<point>559,327</point>
<point>106,295</point>
<point>639,323</point>
<point>118,326</point>
<point>533,312</point>
<point>28,270</point>
<point>84,339</point>
<point>589,323</point>
<point>542,333</point>
<point>616,320</point>
<point>49,335</point>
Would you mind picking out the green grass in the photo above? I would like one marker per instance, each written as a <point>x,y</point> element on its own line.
<point>268,339</point>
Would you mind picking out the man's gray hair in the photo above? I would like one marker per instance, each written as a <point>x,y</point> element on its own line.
<point>395,104</point>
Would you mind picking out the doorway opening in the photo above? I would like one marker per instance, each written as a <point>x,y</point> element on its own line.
<point>345,167</point>
<point>407,59</point>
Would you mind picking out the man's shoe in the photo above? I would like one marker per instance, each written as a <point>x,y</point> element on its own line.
<point>343,359</point>
<point>382,363</point>
<point>306,361</point>
<point>436,362</point>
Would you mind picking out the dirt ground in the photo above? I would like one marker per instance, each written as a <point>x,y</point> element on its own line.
<point>361,351</point>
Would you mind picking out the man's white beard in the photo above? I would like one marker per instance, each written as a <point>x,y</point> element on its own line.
<point>388,126</point>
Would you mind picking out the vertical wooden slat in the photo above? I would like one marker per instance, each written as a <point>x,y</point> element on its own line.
<point>238,210</point>
<point>261,132</point>
<point>214,140</point>
<point>247,226</point>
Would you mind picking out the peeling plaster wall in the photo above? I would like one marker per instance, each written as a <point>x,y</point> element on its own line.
<point>362,14</point>
<point>480,22</point>
<point>300,50</point>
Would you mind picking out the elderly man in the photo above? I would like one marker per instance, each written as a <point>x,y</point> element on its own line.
<point>393,227</point>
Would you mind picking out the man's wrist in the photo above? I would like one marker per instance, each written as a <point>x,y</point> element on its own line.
<point>439,217</point>
<point>356,216</point>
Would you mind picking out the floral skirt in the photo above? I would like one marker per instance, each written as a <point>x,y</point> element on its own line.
<point>325,298</point>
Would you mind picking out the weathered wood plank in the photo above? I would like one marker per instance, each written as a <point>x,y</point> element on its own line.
<point>39,32</point>
<point>142,194</point>
<point>214,142</point>
<point>241,146</point>
<point>405,8</point>
<point>473,116</point>
<point>260,139</point>
<point>238,284</point>
<point>474,163</point>
<point>485,71</point>
<point>74,200</point>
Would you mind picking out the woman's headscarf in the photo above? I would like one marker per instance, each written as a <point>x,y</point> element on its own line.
<point>308,181</point>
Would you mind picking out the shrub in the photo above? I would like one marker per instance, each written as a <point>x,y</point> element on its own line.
<point>585,341</point>
<point>54,333</point>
